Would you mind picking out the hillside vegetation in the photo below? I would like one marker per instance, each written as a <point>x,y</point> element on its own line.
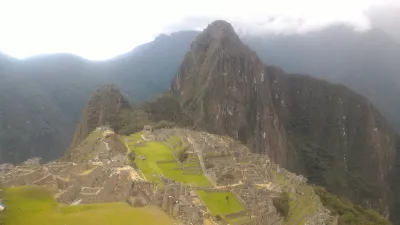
<point>347,212</point>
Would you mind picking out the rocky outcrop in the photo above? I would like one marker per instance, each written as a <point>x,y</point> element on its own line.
<point>223,86</point>
<point>324,131</point>
<point>107,107</point>
<point>339,139</point>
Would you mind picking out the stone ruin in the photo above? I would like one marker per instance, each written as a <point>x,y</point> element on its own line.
<point>255,180</point>
<point>109,179</point>
<point>71,182</point>
<point>181,202</point>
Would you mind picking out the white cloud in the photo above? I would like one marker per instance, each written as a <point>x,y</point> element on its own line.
<point>98,29</point>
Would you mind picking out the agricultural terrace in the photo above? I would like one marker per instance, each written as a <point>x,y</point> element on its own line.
<point>36,206</point>
<point>219,204</point>
<point>155,158</point>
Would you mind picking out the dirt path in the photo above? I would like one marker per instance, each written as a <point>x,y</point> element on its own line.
<point>107,146</point>
<point>144,138</point>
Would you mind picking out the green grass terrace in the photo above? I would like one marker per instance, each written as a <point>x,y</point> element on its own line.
<point>160,160</point>
<point>36,206</point>
<point>229,209</point>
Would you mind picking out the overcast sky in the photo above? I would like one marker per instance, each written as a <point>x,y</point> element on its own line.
<point>100,29</point>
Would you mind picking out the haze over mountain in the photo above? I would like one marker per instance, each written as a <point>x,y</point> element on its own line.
<point>49,92</point>
<point>365,62</point>
<point>114,29</point>
<point>327,132</point>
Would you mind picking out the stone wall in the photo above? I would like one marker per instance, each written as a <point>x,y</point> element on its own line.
<point>69,195</point>
<point>93,178</point>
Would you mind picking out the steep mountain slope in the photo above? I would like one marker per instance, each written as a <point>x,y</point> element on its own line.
<point>55,89</point>
<point>341,139</point>
<point>214,86</point>
<point>149,67</point>
<point>107,107</point>
<point>30,123</point>
<point>42,98</point>
<point>307,125</point>
<point>365,62</point>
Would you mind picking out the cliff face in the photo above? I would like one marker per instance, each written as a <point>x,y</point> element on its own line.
<point>340,140</point>
<point>223,86</point>
<point>324,131</point>
<point>107,107</point>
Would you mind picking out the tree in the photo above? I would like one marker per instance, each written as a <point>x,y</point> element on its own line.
<point>282,204</point>
<point>227,179</point>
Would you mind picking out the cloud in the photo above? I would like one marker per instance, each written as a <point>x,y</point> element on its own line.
<point>99,29</point>
<point>284,16</point>
<point>387,18</point>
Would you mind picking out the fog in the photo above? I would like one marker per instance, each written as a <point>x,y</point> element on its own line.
<point>103,29</point>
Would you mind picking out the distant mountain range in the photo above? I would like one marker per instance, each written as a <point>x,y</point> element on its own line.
<point>48,92</point>
<point>329,133</point>
<point>41,98</point>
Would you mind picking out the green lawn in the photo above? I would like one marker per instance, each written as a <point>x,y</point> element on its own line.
<point>158,151</point>
<point>193,179</point>
<point>36,206</point>
<point>218,205</point>
<point>135,137</point>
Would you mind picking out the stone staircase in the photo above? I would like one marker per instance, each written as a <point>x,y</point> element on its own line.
<point>192,164</point>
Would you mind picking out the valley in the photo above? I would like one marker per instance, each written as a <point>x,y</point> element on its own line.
<point>233,141</point>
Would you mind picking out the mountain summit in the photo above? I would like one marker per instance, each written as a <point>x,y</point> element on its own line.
<point>327,132</point>
<point>107,107</point>
<point>223,85</point>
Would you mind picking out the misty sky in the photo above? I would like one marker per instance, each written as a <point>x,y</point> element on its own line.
<point>100,29</point>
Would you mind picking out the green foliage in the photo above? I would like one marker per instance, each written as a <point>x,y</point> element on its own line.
<point>166,108</point>
<point>395,186</point>
<point>282,204</point>
<point>31,123</point>
<point>179,149</point>
<point>349,214</point>
<point>131,159</point>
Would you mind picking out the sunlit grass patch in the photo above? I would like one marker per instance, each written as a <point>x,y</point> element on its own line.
<point>218,204</point>
<point>36,206</point>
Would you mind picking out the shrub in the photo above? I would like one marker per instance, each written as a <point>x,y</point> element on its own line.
<point>182,156</point>
<point>348,212</point>
<point>282,204</point>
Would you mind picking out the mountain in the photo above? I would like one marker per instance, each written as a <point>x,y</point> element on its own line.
<point>363,61</point>
<point>214,87</point>
<point>327,132</point>
<point>107,107</point>
<point>42,97</point>
<point>146,71</point>
<point>31,124</point>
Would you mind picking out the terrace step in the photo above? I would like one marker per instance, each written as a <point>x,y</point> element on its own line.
<point>166,161</point>
<point>242,221</point>
<point>236,214</point>
<point>191,168</point>
<point>193,172</point>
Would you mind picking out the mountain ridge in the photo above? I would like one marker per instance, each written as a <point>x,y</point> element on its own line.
<point>300,122</point>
